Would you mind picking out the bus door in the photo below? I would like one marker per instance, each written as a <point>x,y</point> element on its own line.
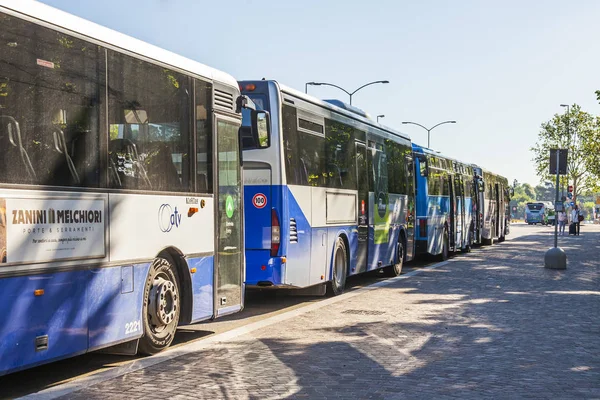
<point>460,211</point>
<point>497,211</point>
<point>451,211</point>
<point>479,208</point>
<point>363,207</point>
<point>501,209</point>
<point>229,219</point>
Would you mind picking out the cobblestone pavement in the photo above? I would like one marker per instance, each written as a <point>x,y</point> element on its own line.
<point>493,324</point>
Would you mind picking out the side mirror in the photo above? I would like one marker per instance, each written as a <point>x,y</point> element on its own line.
<point>423,166</point>
<point>261,128</point>
<point>481,185</point>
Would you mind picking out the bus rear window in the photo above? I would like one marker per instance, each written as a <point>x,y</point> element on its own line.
<point>535,206</point>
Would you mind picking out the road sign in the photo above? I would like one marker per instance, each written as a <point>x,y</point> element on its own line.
<point>562,161</point>
<point>572,204</point>
<point>259,200</point>
<point>570,195</point>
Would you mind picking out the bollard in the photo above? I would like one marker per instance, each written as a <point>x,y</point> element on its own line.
<point>555,258</point>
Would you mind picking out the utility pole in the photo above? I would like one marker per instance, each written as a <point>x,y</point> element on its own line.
<point>556,258</point>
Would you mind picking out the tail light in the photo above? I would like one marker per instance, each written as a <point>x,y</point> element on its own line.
<point>423,227</point>
<point>275,233</point>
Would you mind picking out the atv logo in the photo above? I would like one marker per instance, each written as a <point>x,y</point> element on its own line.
<point>167,218</point>
<point>382,204</point>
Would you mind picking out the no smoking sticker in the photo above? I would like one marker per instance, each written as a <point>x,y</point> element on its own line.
<point>259,200</point>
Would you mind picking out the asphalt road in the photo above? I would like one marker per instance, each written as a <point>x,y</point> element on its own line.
<point>259,305</point>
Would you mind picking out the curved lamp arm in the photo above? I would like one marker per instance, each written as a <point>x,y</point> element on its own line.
<point>365,85</point>
<point>441,123</point>
<point>330,84</point>
<point>414,123</point>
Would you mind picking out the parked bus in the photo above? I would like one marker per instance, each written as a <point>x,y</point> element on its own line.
<point>120,190</point>
<point>445,201</point>
<point>492,194</point>
<point>329,195</point>
<point>541,212</point>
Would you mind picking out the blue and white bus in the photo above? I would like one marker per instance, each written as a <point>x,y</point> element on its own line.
<point>328,195</point>
<point>493,195</point>
<point>120,190</point>
<point>445,204</point>
<point>541,212</point>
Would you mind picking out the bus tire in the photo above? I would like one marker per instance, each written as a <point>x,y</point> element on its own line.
<point>340,269</point>
<point>443,256</point>
<point>469,245</point>
<point>162,307</point>
<point>396,268</point>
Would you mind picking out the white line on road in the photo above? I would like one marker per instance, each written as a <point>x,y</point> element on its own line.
<point>201,344</point>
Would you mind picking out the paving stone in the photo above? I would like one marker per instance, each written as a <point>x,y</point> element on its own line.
<point>492,324</point>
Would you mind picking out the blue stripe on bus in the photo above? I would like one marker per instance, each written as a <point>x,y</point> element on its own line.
<point>261,268</point>
<point>81,310</point>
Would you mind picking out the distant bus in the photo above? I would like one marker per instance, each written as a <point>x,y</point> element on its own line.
<point>445,204</point>
<point>329,195</point>
<point>493,194</point>
<point>539,213</point>
<point>121,211</point>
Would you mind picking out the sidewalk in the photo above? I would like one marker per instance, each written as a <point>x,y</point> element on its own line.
<point>492,324</point>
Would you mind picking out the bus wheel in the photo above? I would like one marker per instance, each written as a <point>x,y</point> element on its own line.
<point>396,268</point>
<point>340,268</point>
<point>443,256</point>
<point>468,246</point>
<point>161,307</point>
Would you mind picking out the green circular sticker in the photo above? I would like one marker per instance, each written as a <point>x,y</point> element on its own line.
<point>229,206</point>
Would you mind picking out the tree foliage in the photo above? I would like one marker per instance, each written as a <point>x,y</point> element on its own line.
<point>579,132</point>
<point>524,193</point>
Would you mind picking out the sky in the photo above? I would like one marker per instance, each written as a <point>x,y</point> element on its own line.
<point>499,69</point>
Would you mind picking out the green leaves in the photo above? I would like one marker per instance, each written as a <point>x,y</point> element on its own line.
<point>579,132</point>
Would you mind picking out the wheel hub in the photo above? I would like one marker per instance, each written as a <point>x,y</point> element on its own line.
<point>163,302</point>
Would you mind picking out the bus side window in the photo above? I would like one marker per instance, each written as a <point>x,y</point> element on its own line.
<point>50,104</point>
<point>149,126</point>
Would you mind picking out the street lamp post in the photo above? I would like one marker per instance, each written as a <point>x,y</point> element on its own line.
<point>380,116</point>
<point>429,129</point>
<point>562,189</point>
<point>350,94</point>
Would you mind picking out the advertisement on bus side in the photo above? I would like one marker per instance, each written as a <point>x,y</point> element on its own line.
<point>35,230</point>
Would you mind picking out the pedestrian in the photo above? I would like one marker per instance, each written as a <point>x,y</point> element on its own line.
<point>576,218</point>
<point>562,221</point>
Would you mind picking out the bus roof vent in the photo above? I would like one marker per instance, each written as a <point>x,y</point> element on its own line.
<point>224,100</point>
<point>348,107</point>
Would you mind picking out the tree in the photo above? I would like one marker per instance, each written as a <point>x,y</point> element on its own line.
<point>588,209</point>
<point>579,132</point>
<point>545,192</point>
<point>524,194</point>
<point>592,145</point>
<point>598,95</point>
<point>528,191</point>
